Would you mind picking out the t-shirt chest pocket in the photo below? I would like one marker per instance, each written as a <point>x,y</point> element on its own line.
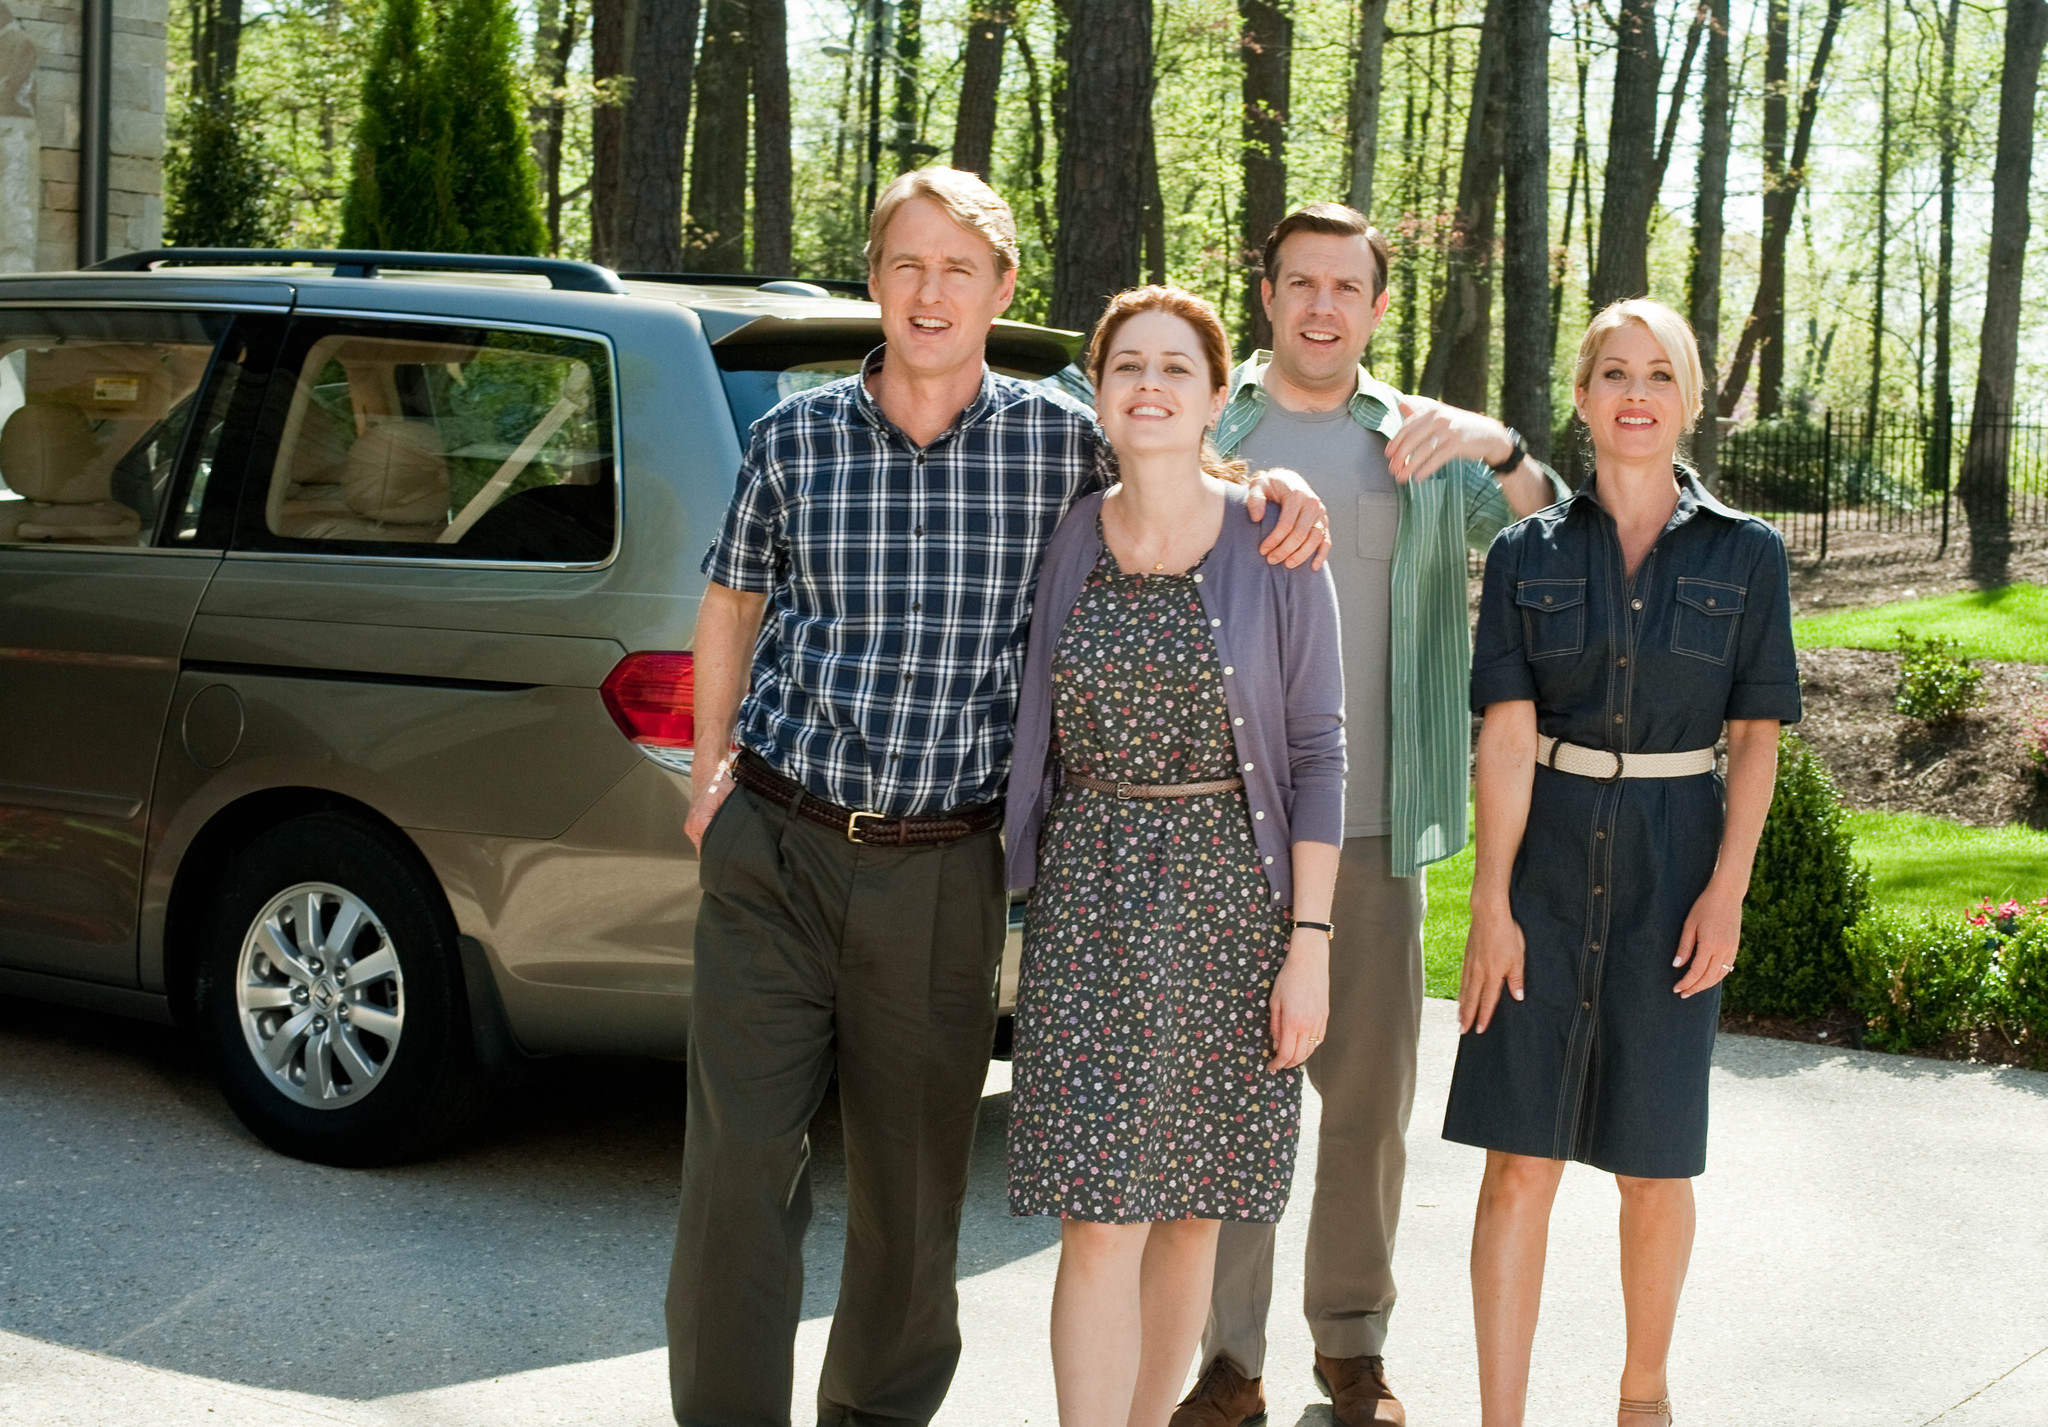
<point>1379,524</point>
<point>1553,617</point>
<point>1707,614</point>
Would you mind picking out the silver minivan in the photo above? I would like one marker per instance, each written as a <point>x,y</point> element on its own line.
<point>345,685</point>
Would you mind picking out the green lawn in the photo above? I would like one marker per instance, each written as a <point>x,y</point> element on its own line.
<point>2006,623</point>
<point>1917,864</point>
<point>1922,863</point>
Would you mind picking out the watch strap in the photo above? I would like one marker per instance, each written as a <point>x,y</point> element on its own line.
<point>1518,452</point>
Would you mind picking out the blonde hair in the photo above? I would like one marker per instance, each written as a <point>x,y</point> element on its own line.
<point>967,200</point>
<point>1198,314</point>
<point>1670,331</point>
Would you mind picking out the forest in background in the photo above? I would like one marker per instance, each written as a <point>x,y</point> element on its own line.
<point>1854,144</point>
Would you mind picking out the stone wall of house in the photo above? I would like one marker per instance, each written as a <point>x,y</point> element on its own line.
<point>39,123</point>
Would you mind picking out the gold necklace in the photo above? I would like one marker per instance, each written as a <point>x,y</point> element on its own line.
<point>1159,564</point>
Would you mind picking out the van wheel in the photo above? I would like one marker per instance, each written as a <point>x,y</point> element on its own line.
<point>331,999</point>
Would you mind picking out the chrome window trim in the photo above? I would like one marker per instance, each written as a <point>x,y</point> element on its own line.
<point>180,552</point>
<point>583,334</point>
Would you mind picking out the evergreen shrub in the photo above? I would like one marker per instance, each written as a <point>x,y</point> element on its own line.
<point>217,188</point>
<point>1918,980</point>
<point>1805,894</point>
<point>1936,683</point>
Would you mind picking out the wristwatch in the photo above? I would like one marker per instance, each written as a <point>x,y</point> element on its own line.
<point>1518,452</point>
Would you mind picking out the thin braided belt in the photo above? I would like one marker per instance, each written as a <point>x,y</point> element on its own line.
<point>752,772</point>
<point>1607,764</point>
<point>1153,790</point>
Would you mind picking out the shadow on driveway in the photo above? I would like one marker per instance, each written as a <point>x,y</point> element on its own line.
<point>139,1219</point>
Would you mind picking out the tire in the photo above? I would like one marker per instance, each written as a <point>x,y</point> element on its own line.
<point>350,1043</point>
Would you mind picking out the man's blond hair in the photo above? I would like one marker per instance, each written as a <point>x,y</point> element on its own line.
<point>1669,330</point>
<point>967,200</point>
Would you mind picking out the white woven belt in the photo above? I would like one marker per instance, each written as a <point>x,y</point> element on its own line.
<point>1607,765</point>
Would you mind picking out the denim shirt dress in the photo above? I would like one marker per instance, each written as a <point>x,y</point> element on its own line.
<point>1601,1062</point>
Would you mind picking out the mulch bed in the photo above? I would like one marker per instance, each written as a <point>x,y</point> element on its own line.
<point>1845,1028</point>
<point>1970,772</point>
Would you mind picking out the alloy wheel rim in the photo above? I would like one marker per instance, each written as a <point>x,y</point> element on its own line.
<point>320,996</point>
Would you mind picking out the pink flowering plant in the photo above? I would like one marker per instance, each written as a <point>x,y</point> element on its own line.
<point>1986,972</point>
<point>2033,742</point>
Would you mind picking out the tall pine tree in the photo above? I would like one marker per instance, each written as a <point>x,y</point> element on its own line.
<point>442,163</point>
<point>401,191</point>
<point>491,175</point>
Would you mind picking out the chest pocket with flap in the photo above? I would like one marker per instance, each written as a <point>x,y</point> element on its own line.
<point>1707,614</point>
<point>1553,617</point>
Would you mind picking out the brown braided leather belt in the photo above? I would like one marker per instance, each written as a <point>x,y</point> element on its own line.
<point>752,772</point>
<point>1153,790</point>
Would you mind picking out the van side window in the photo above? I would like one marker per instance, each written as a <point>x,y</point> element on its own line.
<point>94,410</point>
<point>435,442</point>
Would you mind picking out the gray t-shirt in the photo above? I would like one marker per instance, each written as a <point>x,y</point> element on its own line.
<point>1347,465</point>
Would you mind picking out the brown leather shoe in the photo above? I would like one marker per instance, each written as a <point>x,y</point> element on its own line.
<point>1222,1398</point>
<point>1359,1396</point>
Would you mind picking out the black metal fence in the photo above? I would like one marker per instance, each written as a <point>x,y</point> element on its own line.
<point>1824,475</point>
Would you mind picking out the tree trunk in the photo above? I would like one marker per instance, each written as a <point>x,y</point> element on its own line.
<point>1578,189</point>
<point>216,47</point>
<point>981,80</point>
<point>717,234</point>
<point>1267,28</point>
<point>909,55</point>
<point>1034,99</point>
<point>647,218</point>
<point>1703,287</point>
<point>1155,208</point>
<point>1525,256</point>
<point>1109,70</point>
<point>768,29</point>
<point>1459,340</point>
<point>1941,438</point>
<point>1985,486</point>
<point>1623,269</point>
<point>1364,116</point>
<point>1763,335</point>
<point>555,36</point>
<point>1884,218</point>
<point>611,64</point>
<point>1676,111</point>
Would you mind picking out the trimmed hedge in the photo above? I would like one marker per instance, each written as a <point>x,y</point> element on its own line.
<point>1805,895</point>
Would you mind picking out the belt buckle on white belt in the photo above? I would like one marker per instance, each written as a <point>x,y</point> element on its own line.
<point>1619,762</point>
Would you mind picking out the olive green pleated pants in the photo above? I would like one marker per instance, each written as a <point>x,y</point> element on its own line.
<point>814,953</point>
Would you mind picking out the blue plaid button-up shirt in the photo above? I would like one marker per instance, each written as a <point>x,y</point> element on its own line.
<point>899,584</point>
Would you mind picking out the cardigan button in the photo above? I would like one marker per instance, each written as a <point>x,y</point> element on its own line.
<point>1269,862</point>
<point>1198,579</point>
<point>1228,671</point>
<point>1215,624</point>
<point>1237,723</point>
<point>1247,767</point>
<point>1259,817</point>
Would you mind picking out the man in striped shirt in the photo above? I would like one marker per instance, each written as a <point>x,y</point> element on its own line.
<point>1410,484</point>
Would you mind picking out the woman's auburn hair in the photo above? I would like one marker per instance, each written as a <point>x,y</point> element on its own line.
<point>1198,314</point>
<point>1669,330</point>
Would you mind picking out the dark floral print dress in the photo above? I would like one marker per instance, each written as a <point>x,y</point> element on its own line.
<point>1151,941</point>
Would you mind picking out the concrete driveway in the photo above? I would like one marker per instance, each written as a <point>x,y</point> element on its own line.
<point>1873,1250</point>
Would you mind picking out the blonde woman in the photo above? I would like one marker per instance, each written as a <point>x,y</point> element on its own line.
<point>1619,633</point>
<point>1177,807</point>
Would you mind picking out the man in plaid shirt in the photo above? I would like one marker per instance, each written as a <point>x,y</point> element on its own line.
<point>861,641</point>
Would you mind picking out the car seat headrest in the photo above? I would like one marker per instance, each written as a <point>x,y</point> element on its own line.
<point>397,474</point>
<point>47,453</point>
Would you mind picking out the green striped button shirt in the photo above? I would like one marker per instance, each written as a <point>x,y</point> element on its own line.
<point>1429,725</point>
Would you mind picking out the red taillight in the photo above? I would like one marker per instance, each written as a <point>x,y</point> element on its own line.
<point>652,698</point>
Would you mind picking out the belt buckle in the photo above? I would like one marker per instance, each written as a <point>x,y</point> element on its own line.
<point>1619,764</point>
<point>853,824</point>
<point>1123,790</point>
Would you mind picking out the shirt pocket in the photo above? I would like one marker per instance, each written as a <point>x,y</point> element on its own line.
<point>1379,524</point>
<point>1708,612</point>
<point>1553,617</point>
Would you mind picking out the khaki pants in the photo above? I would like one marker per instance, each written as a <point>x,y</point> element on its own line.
<point>1365,1073</point>
<point>814,953</point>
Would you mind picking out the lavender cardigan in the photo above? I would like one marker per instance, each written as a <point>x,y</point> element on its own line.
<point>1283,680</point>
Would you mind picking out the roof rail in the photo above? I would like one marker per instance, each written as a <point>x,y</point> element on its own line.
<point>562,274</point>
<point>842,287</point>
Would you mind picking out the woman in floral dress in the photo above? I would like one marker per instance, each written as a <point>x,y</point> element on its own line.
<point>1177,808</point>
